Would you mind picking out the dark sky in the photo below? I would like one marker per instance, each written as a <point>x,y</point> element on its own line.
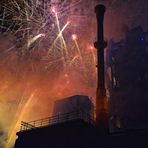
<point>121,12</point>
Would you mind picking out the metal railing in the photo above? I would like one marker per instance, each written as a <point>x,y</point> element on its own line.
<point>60,118</point>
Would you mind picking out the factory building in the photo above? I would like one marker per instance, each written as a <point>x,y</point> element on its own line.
<point>127,66</point>
<point>73,119</point>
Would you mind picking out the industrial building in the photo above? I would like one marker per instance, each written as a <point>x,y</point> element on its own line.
<point>128,69</point>
<point>73,103</point>
<point>71,116</point>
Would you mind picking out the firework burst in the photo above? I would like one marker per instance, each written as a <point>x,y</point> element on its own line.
<point>48,53</point>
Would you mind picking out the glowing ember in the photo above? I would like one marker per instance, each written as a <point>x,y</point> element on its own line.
<point>53,9</point>
<point>91,47</point>
<point>74,36</point>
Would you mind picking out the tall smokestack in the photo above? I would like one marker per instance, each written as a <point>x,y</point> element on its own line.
<point>101,111</point>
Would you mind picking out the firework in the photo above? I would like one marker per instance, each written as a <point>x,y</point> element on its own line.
<point>48,42</point>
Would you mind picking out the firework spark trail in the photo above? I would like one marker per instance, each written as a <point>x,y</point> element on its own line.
<point>58,36</point>
<point>31,41</point>
<point>19,116</point>
<point>74,5</point>
<point>74,37</point>
<point>61,38</point>
<point>91,48</point>
<point>3,17</point>
<point>73,60</point>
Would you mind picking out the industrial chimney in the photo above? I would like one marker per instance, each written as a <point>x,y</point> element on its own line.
<point>100,44</point>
